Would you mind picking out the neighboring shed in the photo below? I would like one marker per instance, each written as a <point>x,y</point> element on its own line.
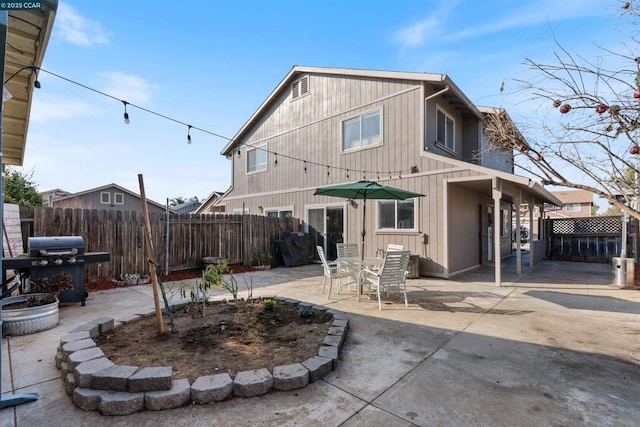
<point>109,197</point>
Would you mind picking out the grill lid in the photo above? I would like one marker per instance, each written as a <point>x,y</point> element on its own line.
<point>56,245</point>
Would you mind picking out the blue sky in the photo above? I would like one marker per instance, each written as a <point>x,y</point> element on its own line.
<point>212,63</point>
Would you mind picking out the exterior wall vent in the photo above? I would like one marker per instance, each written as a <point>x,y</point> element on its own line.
<point>300,87</point>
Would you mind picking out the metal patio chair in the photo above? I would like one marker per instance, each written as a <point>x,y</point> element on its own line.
<point>333,271</point>
<point>393,272</point>
<point>390,247</point>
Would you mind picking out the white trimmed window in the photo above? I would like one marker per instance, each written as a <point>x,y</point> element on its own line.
<point>445,126</point>
<point>256,159</point>
<point>118,198</point>
<point>105,197</point>
<point>362,131</point>
<point>396,214</point>
<point>278,213</point>
<point>572,207</point>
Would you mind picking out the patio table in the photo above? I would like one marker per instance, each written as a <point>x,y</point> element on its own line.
<point>359,264</point>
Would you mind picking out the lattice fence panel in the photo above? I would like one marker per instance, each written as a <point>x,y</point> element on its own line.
<point>594,226</point>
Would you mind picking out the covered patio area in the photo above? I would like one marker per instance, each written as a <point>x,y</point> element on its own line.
<point>478,218</point>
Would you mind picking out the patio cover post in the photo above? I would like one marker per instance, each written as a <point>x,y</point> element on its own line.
<point>531,248</point>
<point>364,231</point>
<point>517,237</point>
<point>497,247</point>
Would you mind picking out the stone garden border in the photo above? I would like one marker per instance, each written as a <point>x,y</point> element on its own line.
<point>95,383</point>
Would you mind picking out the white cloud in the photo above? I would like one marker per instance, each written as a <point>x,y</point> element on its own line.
<point>534,13</point>
<point>416,34</point>
<point>430,27</point>
<point>54,109</point>
<point>78,30</point>
<point>128,87</point>
<point>434,26</point>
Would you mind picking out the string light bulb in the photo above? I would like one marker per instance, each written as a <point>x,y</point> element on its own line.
<point>188,134</point>
<point>126,115</point>
<point>356,172</point>
<point>36,82</point>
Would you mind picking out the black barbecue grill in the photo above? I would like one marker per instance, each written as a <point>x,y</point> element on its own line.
<point>48,256</point>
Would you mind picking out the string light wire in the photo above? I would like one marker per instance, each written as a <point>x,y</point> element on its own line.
<point>215,134</point>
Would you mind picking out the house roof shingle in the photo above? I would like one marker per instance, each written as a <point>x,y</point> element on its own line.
<point>574,196</point>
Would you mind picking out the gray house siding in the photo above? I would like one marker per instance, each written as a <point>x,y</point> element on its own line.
<point>304,135</point>
<point>465,207</point>
<point>313,125</point>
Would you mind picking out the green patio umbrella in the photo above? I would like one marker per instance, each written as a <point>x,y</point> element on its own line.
<point>366,190</point>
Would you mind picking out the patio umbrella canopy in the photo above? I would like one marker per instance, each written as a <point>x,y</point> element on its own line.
<point>366,190</point>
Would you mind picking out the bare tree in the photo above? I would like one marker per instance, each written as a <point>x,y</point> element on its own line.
<point>586,133</point>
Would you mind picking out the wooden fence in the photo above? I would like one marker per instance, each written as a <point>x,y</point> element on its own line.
<point>179,243</point>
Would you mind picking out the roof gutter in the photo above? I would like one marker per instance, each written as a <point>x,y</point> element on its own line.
<point>440,92</point>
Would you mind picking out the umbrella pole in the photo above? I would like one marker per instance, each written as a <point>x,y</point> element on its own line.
<point>364,232</point>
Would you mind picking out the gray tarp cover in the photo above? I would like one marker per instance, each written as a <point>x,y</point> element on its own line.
<point>295,249</point>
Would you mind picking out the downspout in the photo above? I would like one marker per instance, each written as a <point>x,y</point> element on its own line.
<point>424,118</point>
<point>433,95</point>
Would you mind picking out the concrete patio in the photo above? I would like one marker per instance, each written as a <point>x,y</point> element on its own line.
<point>555,346</point>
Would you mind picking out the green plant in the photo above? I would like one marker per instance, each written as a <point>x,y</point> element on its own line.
<point>264,258</point>
<point>269,304</point>
<point>305,311</point>
<point>214,275</point>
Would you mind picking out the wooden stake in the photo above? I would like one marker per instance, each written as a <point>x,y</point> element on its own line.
<point>150,254</point>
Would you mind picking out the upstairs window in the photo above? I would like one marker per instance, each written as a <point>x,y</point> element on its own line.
<point>300,88</point>
<point>105,198</point>
<point>362,131</point>
<point>256,160</point>
<point>445,126</point>
<point>572,207</point>
<point>118,198</point>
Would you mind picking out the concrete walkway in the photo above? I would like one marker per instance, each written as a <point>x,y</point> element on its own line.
<point>555,346</point>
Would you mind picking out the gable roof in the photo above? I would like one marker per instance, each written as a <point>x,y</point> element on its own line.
<point>105,187</point>
<point>453,93</point>
<point>574,196</point>
<point>213,197</point>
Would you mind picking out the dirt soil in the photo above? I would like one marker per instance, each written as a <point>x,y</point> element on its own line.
<point>252,338</point>
<point>173,276</point>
